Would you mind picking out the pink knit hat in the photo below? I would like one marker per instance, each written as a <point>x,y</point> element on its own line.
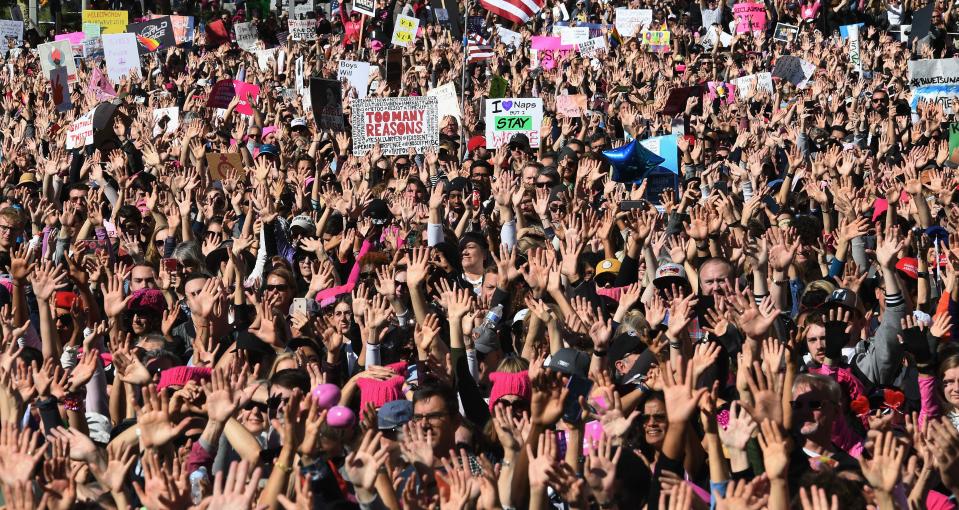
<point>179,376</point>
<point>380,392</point>
<point>505,383</point>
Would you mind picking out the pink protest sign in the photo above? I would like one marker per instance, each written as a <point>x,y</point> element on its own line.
<point>246,92</point>
<point>551,49</point>
<point>750,17</point>
<point>726,92</point>
<point>75,38</point>
<point>225,90</point>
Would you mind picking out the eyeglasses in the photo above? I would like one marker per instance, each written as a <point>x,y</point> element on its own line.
<point>544,185</point>
<point>66,319</point>
<point>263,407</point>
<point>431,417</point>
<point>278,287</point>
<point>812,405</point>
<point>8,228</point>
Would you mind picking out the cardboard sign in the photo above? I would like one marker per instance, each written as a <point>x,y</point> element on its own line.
<point>121,54</point>
<point>153,35</point>
<point>80,131</point>
<point>367,7</point>
<point>404,30</point>
<point>941,94</point>
<point>302,29</point>
<point>550,51</point>
<point>167,119</point>
<point>656,41</point>
<point>953,138</point>
<point>498,87</point>
<point>448,101</point>
<point>100,85</point>
<point>794,70</point>
<point>357,74</point>
<point>398,124</point>
<point>60,89</point>
<point>785,33</point>
<point>666,148</point>
<point>630,22</point>
<point>571,106</point>
<point>326,98</point>
<point>943,71</point>
<point>245,35</point>
<point>511,116</point>
<point>220,164</point>
<point>10,29</point>
<point>225,90</point>
<point>753,82</point>
<point>750,17</point>
<point>593,47</point>
<point>844,30</point>
<point>678,97</point>
<point>111,22</point>
<point>57,54</point>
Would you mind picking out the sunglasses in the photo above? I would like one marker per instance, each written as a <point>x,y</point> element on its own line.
<point>544,185</point>
<point>263,407</point>
<point>278,287</point>
<point>812,405</point>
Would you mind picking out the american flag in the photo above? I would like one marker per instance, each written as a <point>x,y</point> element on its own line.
<point>517,11</point>
<point>478,48</point>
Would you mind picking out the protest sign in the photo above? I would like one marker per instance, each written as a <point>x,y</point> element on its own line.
<point>678,97</point>
<point>571,35</point>
<point>216,34</point>
<point>725,92</point>
<point>550,50</point>
<point>750,84</point>
<point>750,17</point>
<point>225,90</point>
<point>666,148</point>
<point>940,94</point>
<point>111,22</point>
<point>656,41</point>
<point>326,98</point>
<point>447,100</point>
<point>509,38</point>
<point>357,74</point>
<point>794,70</point>
<point>263,58</point>
<point>10,29</point>
<point>404,30</point>
<point>245,35</point>
<point>921,22</point>
<point>80,131</point>
<point>630,21</point>
<point>593,47</point>
<point>854,55</point>
<point>367,7</point>
<point>74,38</point>
<point>91,30</point>
<point>121,54</point>
<point>153,35</point>
<point>714,37</point>
<point>60,89</point>
<point>953,140</point>
<point>93,48</point>
<point>942,71</point>
<point>398,124</point>
<point>100,86</point>
<point>571,106</point>
<point>498,87</point>
<point>221,164</point>
<point>182,28</point>
<point>303,29</point>
<point>511,116</point>
<point>56,54</point>
<point>785,33</point>
<point>301,9</point>
<point>167,120</point>
<point>844,30</point>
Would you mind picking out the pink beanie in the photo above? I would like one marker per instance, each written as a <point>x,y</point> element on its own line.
<point>505,383</point>
<point>380,392</point>
<point>179,376</point>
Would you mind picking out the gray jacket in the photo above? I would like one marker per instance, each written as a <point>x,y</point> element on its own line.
<point>880,358</point>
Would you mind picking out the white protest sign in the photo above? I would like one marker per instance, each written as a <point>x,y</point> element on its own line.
<point>172,114</point>
<point>80,131</point>
<point>593,47</point>
<point>509,38</point>
<point>746,85</point>
<point>263,58</point>
<point>511,116</point>
<point>58,53</point>
<point>449,103</point>
<point>794,70</point>
<point>245,35</point>
<point>121,55</point>
<point>302,29</point>
<point>943,71</point>
<point>357,74</point>
<point>854,55</point>
<point>11,30</point>
<point>714,37</point>
<point>398,124</point>
<point>630,21</point>
<point>571,35</point>
<point>404,30</point>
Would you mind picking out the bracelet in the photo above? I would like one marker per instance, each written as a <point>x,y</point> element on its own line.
<point>781,282</point>
<point>922,274</point>
<point>74,401</point>
<point>675,345</point>
<point>599,354</point>
<point>283,467</point>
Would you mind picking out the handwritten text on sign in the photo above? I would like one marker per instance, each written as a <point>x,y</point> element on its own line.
<point>398,124</point>
<point>750,17</point>
<point>511,116</point>
<point>404,32</point>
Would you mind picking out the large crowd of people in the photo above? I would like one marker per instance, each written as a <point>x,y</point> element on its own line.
<point>525,324</point>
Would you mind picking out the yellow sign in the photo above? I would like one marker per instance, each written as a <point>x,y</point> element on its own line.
<point>111,22</point>
<point>404,31</point>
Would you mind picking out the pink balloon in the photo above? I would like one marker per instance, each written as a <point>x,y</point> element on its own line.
<point>326,395</point>
<point>340,417</point>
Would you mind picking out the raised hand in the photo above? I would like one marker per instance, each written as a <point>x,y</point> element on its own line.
<point>154,420</point>
<point>236,491</point>
<point>363,464</point>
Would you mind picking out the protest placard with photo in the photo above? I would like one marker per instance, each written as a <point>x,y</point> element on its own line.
<point>794,70</point>
<point>60,89</point>
<point>398,124</point>
<point>221,164</point>
<point>10,29</point>
<point>56,54</point>
<point>326,99</point>
<point>357,74</point>
<point>167,120</point>
<point>785,33</point>
<point>510,116</point>
<point>121,54</point>
<point>153,35</point>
